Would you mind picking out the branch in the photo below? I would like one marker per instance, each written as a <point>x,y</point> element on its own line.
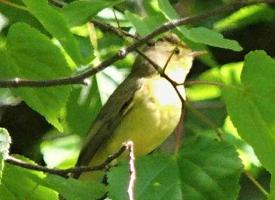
<point>65,172</point>
<point>7,2</point>
<point>116,31</point>
<point>80,78</point>
<point>206,120</point>
<point>201,82</point>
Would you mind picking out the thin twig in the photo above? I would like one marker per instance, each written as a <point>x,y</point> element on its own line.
<point>256,183</point>
<point>59,3</point>
<point>132,170</point>
<point>161,72</point>
<point>201,82</point>
<point>110,28</point>
<point>13,5</point>
<point>203,105</point>
<point>205,119</point>
<point>117,22</point>
<point>78,79</point>
<point>179,131</point>
<point>169,58</point>
<point>65,172</point>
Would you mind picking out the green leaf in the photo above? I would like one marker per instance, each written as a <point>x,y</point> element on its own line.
<point>82,107</point>
<point>73,189</point>
<point>56,24</point>
<point>31,55</point>
<point>157,178</point>
<point>144,25</point>
<point>167,9</point>
<point>251,106</point>
<point>21,184</point>
<point>80,12</point>
<point>17,15</point>
<point>209,37</point>
<point>228,73</point>
<point>61,152</point>
<point>209,170</point>
<point>201,34</point>
<point>272,189</point>
<point>192,174</point>
<point>246,16</point>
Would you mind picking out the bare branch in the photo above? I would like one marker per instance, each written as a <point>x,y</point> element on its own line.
<point>256,183</point>
<point>65,172</point>
<point>206,120</point>
<point>9,3</point>
<point>110,28</point>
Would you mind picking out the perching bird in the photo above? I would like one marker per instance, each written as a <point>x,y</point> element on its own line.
<point>145,108</point>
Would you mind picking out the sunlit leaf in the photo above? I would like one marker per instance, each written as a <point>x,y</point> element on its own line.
<point>192,174</point>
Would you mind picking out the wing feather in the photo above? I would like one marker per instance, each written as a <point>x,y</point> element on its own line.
<point>109,118</point>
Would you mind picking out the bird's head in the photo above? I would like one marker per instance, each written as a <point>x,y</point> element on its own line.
<point>172,55</point>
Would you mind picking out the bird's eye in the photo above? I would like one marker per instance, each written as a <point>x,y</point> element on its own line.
<point>177,50</point>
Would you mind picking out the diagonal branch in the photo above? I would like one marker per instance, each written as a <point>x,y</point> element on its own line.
<point>65,172</point>
<point>90,71</point>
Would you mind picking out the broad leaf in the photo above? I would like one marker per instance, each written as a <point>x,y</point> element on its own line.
<point>246,16</point>
<point>56,24</point>
<point>82,108</point>
<point>73,189</point>
<point>20,184</point>
<point>31,55</point>
<point>204,169</point>
<point>145,25</point>
<point>251,106</point>
<point>80,12</point>
<point>17,15</point>
<point>60,151</point>
<point>201,34</point>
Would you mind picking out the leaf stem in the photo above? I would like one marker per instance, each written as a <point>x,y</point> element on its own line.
<point>201,82</point>
<point>256,183</point>
<point>206,120</point>
<point>13,5</point>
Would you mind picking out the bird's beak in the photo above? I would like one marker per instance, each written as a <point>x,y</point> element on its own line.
<point>197,53</point>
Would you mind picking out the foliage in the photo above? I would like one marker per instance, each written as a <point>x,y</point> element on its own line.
<point>44,40</point>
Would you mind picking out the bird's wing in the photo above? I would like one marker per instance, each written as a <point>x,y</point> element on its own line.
<point>109,118</point>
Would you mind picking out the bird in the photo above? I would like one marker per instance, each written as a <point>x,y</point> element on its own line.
<point>145,108</point>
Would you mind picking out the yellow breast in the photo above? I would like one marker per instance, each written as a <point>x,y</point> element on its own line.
<point>154,114</point>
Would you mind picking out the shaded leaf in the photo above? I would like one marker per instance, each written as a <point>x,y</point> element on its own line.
<point>192,174</point>
<point>21,184</point>
<point>82,107</point>
<point>31,55</point>
<point>73,189</point>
